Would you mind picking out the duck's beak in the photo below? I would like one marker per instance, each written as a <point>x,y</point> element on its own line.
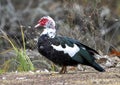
<point>36,26</point>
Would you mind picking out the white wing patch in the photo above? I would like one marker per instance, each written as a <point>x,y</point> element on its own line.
<point>71,51</point>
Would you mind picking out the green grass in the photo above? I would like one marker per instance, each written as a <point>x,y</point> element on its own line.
<point>19,63</point>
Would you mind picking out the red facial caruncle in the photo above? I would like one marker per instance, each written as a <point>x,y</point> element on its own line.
<point>43,21</point>
<point>46,22</point>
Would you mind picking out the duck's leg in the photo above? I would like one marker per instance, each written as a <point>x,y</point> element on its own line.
<point>63,70</point>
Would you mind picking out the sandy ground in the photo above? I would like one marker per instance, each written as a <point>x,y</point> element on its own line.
<point>89,77</point>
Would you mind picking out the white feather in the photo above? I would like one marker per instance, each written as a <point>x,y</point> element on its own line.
<point>71,51</point>
<point>51,32</point>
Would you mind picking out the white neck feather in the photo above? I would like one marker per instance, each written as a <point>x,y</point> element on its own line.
<point>50,32</point>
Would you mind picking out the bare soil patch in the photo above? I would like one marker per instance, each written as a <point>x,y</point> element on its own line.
<point>110,77</point>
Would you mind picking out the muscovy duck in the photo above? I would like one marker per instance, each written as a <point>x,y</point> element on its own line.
<point>62,50</point>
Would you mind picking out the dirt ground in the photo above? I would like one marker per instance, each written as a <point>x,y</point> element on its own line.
<point>88,77</point>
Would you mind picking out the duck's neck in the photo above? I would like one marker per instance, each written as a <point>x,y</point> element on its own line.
<point>50,32</point>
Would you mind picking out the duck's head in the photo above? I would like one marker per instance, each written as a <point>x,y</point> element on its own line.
<point>46,22</point>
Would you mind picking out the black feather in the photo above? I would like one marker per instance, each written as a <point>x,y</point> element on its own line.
<point>83,56</point>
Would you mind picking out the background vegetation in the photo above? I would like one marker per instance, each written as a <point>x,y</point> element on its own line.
<point>95,23</point>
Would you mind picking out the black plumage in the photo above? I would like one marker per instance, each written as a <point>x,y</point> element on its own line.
<point>84,56</point>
